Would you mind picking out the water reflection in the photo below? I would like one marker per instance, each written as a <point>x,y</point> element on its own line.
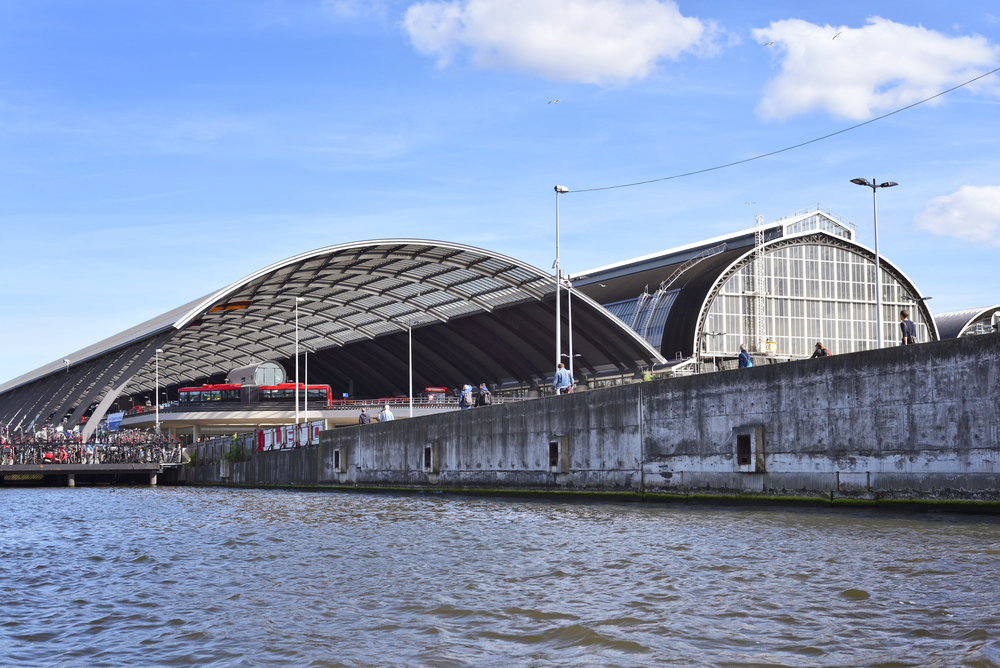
<point>160,576</point>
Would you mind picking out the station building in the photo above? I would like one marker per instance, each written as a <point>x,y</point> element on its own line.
<point>969,322</point>
<point>351,313</point>
<point>779,288</point>
<point>355,311</point>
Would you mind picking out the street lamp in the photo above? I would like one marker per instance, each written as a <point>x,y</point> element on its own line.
<point>560,190</point>
<point>158,351</point>
<point>878,267</point>
<point>569,307</point>
<point>66,362</point>
<point>297,300</point>
<point>409,328</point>
<point>713,335</point>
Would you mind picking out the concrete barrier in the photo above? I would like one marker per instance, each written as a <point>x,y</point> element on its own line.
<point>918,422</point>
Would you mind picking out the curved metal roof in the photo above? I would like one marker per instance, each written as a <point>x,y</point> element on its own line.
<point>700,283</point>
<point>809,237</point>
<point>953,324</point>
<point>478,315</point>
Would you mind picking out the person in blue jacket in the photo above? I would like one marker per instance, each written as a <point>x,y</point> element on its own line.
<point>562,383</point>
<point>745,361</point>
<point>465,399</point>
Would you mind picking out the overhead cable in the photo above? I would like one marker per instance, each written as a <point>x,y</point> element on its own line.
<point>789,148</point>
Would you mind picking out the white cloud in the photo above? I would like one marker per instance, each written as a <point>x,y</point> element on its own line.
<point>588,41</point>
<point>972,214</point>
<point>867,70</point>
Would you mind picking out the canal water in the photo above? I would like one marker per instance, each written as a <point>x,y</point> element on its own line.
<point>188,577</point>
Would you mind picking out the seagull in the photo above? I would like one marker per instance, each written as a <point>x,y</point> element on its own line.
<point>602,285</point>
<point>554,101</point>
<point>769,44</point>
<point>838,34</point>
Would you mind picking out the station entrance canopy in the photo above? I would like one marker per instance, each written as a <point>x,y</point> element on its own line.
<point>475,315</point>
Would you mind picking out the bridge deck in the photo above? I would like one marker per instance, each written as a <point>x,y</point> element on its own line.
<point>80,468</point>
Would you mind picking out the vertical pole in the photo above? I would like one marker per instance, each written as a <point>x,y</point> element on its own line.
<point>558,291</point>
<point>296,361</point>
<point>409,326</point>
<point>569,306</point>
<point>157,399</point>
<point>305,397</point>
<point>878,269</point>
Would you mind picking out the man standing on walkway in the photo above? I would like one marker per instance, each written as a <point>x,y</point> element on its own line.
<point>908,328</point>
<point>484,398</point>
<point>745,361</point>
<point>562,383</point>
<point>386,415</point>
<point>364,418</point>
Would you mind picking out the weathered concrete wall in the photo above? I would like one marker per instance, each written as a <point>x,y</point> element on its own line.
<point>897,421</point>
<point>914,422</point>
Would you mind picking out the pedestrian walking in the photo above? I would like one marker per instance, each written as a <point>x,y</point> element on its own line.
<point>484,397</point>
<point>562,382</point>
<point>364,418</point>
<point>465,400</point>
<point>386,415</point>
<point>908,328</point>
<point>820,350</point>
<point>745,361</point>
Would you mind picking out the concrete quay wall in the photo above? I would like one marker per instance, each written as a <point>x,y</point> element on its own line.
<point>918,422</point>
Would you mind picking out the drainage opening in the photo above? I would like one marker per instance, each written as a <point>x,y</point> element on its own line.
<point>336,460</point>
<point>743,449</point>
<point>427,458</point>
<point>554,454</point>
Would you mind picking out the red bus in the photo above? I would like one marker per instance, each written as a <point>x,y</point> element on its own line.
<point>265,394</point>
<point>434,394</point>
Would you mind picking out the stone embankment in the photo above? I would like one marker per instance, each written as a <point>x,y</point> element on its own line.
<point>901,424</point>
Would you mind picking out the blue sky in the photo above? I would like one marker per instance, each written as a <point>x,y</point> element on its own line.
<point>151,152</point>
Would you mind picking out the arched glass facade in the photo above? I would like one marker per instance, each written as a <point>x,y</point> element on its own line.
<point>814,292</point>
<point>981,325</point>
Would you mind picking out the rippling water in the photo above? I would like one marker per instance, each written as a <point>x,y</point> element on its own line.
<point>181,576</point>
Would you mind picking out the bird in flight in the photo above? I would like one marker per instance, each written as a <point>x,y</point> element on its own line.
<point>769,44</point>
<point>838,34</point>
<point>554,101</point>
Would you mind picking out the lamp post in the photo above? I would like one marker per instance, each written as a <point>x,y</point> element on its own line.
<point>569,307</point>
<point>297,300</point>
<point>66,362</point>
<point>409,328</point>
<point>158,351</point>
<point>305,397</point>
<point>878,267</point>
<point>713,335</point>
<point>559,191</point>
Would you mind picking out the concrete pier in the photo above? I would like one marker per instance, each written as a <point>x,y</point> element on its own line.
<point>916,422</point>
<point>71,475</point>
